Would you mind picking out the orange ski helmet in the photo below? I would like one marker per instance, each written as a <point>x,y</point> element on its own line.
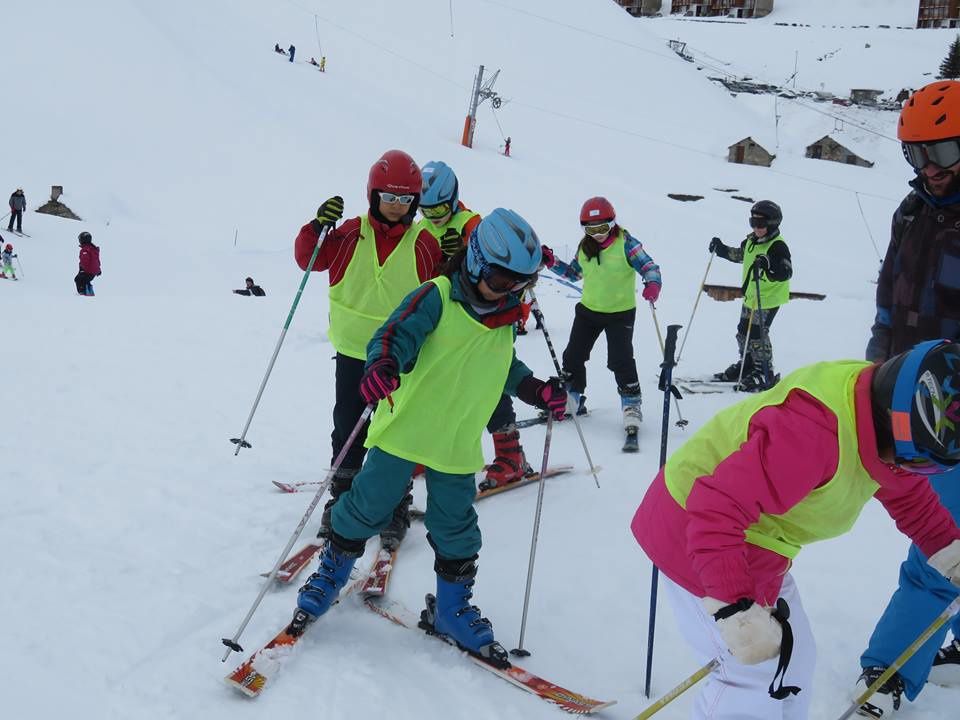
<point>932,113</point>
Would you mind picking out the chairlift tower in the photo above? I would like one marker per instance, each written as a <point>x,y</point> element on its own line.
<point>481,91</point>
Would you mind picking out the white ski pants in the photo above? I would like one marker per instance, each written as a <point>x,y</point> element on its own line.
<point>734,691</point>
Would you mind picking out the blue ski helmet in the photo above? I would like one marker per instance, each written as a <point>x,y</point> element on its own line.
<point>921,387</point>
<point>504,240</point>
<point>440,185</point>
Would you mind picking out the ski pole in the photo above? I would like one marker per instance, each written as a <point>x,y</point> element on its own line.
<point>695,303</point>
<point>746,344</point>
<point>519,650</point>
<point>669,697</point>
<point>676,402</point>
<point>20,265</point>
<point>556,364</point>
<point>231,643</point>
<point>241,442</point>
<point>948,612</point>
<point>763,326</point>
<point>666,384</point>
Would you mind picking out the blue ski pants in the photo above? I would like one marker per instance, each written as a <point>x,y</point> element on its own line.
<point>367,507</point>
<point>922,594</point>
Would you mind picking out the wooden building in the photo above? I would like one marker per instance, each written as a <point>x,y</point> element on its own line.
<point>826,148</point>
<point>749,152</point>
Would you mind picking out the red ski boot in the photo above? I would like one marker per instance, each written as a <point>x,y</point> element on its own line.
<point>510,464</point>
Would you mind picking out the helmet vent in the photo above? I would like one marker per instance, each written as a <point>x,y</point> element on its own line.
<point>937,101</point>
<point>941,119</point>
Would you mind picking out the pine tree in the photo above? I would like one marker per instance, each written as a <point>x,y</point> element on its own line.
<point>950,67</point>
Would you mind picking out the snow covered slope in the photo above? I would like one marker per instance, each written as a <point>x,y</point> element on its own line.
<point>133,537</point>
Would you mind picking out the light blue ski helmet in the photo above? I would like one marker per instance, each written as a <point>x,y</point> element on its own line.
<point>440,185</point>
<point>505,240</point>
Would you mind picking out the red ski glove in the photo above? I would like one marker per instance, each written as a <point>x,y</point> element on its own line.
<point>379,380</point>
<point>549,258</point>
<point>651,291</point>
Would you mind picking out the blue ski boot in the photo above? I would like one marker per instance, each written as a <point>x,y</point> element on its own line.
<point>322,588</point>
<point>451,615</point>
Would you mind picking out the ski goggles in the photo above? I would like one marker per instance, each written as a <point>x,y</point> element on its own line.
<point>598,229</point>
<point>504,282</point>
<point>943,153</point>
<point>435,212</point>
<point>391,198</point>
<point>758,221</point>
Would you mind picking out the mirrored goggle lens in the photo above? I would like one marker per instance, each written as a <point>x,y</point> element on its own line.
<point>922,466</point>
<point>501,282</point>
<point>601,229</point>
<point>437,211</point>
<point>945,153</point>
<point>402,199</point>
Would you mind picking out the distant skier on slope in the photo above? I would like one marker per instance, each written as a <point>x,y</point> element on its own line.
<point>89,264</point>
<point>918,298</point>
<point>373,261</point>
<point>608,261</point>
<point>452,223</point>
<point>18,203</point>
<point>7,262</point>
<point>251,289</point>
<point>766,250</point>
<point>726,516</point>
<point>459,325</point>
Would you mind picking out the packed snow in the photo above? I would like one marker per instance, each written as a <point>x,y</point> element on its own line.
<point>134,537</point>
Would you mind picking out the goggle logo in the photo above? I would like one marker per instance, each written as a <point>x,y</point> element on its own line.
<point>937,411</point>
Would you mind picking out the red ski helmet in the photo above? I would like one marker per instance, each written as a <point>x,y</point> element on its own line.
<point>597,210</point>
<point>394,172</point>
<point>9,247</point>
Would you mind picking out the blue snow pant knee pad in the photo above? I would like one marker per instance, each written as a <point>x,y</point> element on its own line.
<point>367,508</point>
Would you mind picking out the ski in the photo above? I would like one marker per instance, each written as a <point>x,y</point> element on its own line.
<point>417,513</point>
<point>563,698</point>
<point>541,419</point>
<point>631,443</point>
<point>376,583</point>
<point>253,674</point>
<point>21,234</point>
<point>703,386</point>
<point>294,564</point>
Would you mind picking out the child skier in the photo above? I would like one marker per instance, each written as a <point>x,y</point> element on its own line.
<point>608,260</point>
<point>373,261</point>
<point>452,223</point>
<point>7,257</point>
<point>89,264</point>
<point>446,352</point>
<point>764,251</point>
<point>728,513</point>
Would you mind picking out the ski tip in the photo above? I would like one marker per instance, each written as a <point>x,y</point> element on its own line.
<point>285,487</point>
<point>251,690</point>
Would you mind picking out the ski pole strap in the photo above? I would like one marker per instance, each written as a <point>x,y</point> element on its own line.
<point>782,616</point>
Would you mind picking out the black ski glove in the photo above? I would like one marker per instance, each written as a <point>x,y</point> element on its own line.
<point>331,212</point>
<point>715,245</point>
<point>451,243</point>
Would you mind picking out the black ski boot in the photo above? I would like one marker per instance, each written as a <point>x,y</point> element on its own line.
<point>342,480</point>
<point>946,665</point>
<point>394,533</point>
<point>885,701</point>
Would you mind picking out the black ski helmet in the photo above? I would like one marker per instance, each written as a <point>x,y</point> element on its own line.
<point>85,238</point>
<point>771,211</point>
<point>921,390</point>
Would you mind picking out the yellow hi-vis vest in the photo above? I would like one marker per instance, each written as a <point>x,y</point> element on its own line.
<point>829,510</point>
<point>368,291</point>
<point>609,282</point>
<point>429,423</point>
<point>772,293</point>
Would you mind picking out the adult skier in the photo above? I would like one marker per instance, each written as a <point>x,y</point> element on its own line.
<point>918,298</point>
<point>608,261</point>
<point>452,223</point>
<point>729,512</point>
<point>18,203</point>
<point>446,352</point>
<point>89,264</point>
<point>373,261</point>
<point>764,250</point>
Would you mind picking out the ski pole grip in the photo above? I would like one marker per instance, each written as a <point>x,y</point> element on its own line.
<point>670,346</point>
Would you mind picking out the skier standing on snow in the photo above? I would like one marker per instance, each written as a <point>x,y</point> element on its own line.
<point>918,298</point>
<point>251,289</point>
<point>608,260</point>
<point>446,352</point>
<point>373,262</point>
<point>18,203</point>
<point>730,510</point>
<point>452,223</point>
<point>7,258</point>
<point>764,250</point>
<point>293,51</point>
<point>89,264</point>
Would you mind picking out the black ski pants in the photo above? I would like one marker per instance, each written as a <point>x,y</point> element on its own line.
<point>82,280</point>
<point>503,415</point>
<point>18,216</point>
<point>587,326</point>
<point>347,409</point>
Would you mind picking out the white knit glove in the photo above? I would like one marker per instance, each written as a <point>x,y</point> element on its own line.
<point>752,634</point>
<point>947,562</point>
